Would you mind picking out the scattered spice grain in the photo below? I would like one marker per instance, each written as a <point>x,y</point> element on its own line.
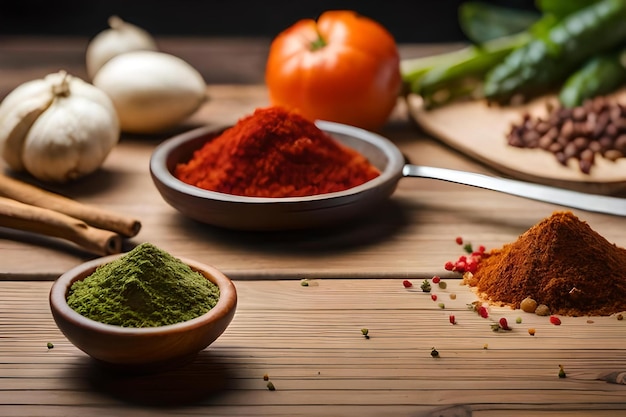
<point>542,310</point>
<point>50,345</point>
<point>550,259</point>
<point>528,305</point>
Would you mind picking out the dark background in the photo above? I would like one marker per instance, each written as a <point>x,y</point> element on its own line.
<point>409,21</point>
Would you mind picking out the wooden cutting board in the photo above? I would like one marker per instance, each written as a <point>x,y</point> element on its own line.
<point>479,131</point>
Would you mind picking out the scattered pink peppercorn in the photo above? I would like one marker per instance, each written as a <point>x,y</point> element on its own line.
<point>504,324</point>
<point>433,297</point>
<point>459,240</point>
<point>471,265</point>
<point>436,279</point>
<point>407,283</point>
<point>482,312</point>
<point>555,320</point>
<point>469,262</point>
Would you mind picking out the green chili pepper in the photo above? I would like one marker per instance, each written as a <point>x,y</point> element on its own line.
<point>536,66</point>
<point>471,66</point>
<point>443,78</point>
<point>600,75</point>
<point>415,68</point>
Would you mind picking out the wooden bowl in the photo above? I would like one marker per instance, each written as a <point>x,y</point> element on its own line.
<point>147,348</point>
<point>269,214</point>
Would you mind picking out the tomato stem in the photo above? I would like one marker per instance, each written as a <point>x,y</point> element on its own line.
<point>318,43</point>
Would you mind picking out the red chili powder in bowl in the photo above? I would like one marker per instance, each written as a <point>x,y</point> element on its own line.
<point>560,262</point>
<point>275,153</point>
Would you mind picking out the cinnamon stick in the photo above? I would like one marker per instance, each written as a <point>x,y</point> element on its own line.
<point>20,216</point>
<point>94,216</point>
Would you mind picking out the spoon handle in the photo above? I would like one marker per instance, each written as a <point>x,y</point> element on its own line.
<point>584,201</point>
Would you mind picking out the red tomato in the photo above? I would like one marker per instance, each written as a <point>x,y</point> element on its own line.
<point>344,67</point>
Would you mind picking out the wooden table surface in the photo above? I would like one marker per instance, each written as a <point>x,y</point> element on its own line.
<point>307,339</point>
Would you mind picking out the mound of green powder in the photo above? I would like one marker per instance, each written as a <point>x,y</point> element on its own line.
<point>147,287</point>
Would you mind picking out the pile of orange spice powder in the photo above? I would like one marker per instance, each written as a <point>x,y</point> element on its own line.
<point>275,153</point>
<point>560,262</point>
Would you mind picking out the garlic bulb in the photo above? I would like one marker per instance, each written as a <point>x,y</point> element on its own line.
<point>121,37</point>
<point>58,128</point>
<point>151,91</point>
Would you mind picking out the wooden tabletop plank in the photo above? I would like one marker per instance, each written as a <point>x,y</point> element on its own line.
<point>308,341</point>
<point>411,236</point>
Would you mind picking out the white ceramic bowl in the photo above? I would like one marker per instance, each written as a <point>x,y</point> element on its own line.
<point>264,214</point>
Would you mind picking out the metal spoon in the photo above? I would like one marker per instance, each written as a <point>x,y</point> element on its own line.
<point>589,202</point>
<point>548,194</point>
<point>266,214</point>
